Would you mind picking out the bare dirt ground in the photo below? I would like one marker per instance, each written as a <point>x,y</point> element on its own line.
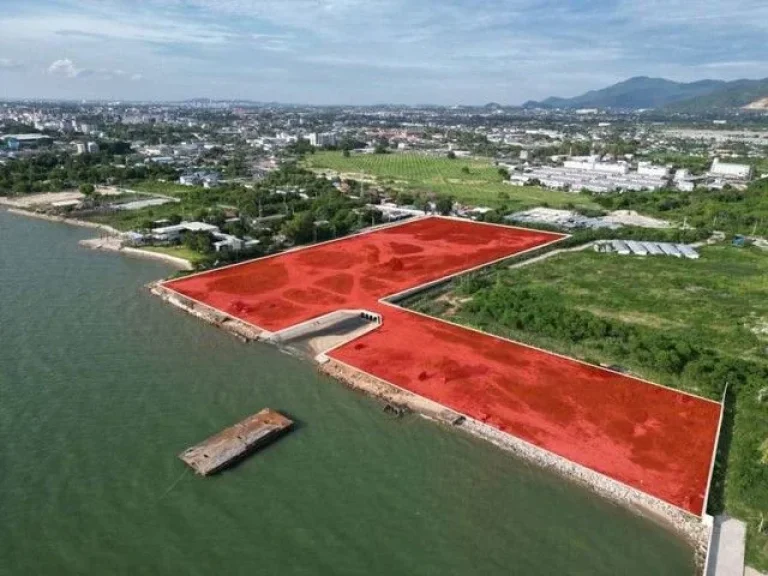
<point>632,218</point>
<point>30,200</point>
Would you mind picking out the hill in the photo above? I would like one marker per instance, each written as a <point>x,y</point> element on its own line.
<point>736,94</point>
<point>643,92</point>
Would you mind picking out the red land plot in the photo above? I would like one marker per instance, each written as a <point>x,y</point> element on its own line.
<point>651,438</point>
<point>355,272</point>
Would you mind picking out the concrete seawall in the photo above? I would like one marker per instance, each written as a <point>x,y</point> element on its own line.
<point>692,528</point>
<point>241,330</point>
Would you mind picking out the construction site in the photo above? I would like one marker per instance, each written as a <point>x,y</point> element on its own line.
<point>641,444</point>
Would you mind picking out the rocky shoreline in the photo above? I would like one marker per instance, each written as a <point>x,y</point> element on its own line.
<point>109,243</point>
<point>242,331</point>
<point>692,528</point>
<point>64,220</point>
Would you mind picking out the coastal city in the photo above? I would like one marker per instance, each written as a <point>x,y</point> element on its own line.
<point>451,299</point>
<point>231,178</point>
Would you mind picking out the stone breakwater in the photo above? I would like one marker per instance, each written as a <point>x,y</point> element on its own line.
<point>241,330</point>
<point>693,529</point>
<point>64,220</point>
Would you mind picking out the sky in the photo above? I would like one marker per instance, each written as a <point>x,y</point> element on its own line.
<point>369,51</point>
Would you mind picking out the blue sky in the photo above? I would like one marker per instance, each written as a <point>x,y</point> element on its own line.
<point>369,51</point>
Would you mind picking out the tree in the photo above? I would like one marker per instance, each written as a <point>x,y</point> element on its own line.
<point>465,169</point>
<point>301,228</point>
<point>345,153</point>
<point>405,198</point>
<point>451,155</point>
<point>199,242</point>
<point>87,189</point>
<point>444,205</point>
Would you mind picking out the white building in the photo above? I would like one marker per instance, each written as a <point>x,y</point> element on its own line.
<point>727,170</point>
<point>80,148</point>
<point>92,148</point>
<point>227,243</point>
<point>322,139</point>
<point>648,169</point>
<point>174,232</point>
<point>201,178</point>
<point>589,174</point>
<point>593,164</point>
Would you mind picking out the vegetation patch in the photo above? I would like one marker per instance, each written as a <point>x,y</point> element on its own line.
<point>733,211</point>
<point>682,323</point>
<point>471,181</point>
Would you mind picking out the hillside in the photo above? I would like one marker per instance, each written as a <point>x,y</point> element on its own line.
<point>736,94</point>
<point>643,92</point>
<point>761,104</point>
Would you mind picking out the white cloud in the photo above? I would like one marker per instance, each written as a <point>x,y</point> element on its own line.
<point>379,50</point>
<point>125,26</point>
<point>65,68</point>
<point>68,69</point>
<point>8,64</point>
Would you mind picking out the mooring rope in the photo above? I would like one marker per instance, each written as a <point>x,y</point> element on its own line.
<point>175,482</point>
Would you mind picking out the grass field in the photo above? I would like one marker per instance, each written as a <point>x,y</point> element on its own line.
<point>166,188</point>
<point>719,302</point>
<point>481,186</point>
<point>134,219</point>
<point>177,251</point>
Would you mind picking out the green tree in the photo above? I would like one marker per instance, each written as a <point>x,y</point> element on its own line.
<point>199,242</point>
<point>301,228</point>
<point>444,205</point>
<point>87,189</point>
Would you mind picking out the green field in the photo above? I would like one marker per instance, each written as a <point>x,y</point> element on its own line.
<point>177,251</point>
<point>720,300</point>
<point>481,186</point>
<point>164,188</point>
<point>713,312</point>
<point>135,219</point>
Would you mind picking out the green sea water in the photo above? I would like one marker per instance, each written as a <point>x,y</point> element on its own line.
<point>103,385</point>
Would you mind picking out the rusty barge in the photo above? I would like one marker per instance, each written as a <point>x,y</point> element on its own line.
<point>236,442</point>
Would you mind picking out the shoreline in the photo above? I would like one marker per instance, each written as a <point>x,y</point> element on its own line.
<point>108,244</point>
<point>694,530</point>
<point>113,245</point>
<point>61,219</point>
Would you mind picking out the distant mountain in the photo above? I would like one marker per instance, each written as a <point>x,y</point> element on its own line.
<point>644,92</point>
<point>745,94</point>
